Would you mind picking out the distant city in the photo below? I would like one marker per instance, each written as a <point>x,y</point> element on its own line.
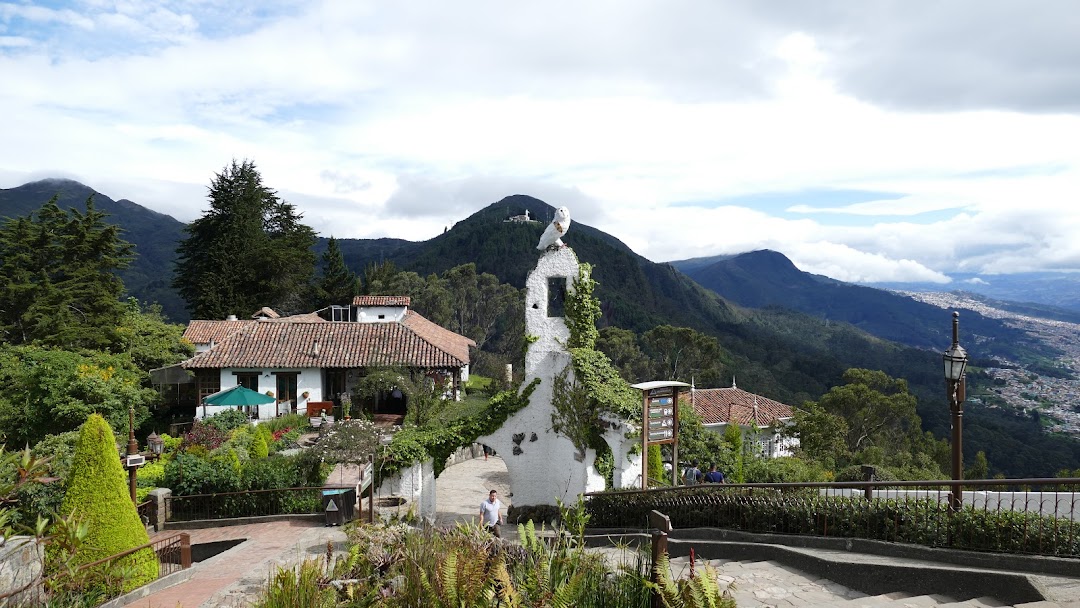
<point>1056,399</point>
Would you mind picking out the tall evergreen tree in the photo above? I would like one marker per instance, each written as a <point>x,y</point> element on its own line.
<point>338,284</point>
<point>57,273</point>
<point>247,251</point>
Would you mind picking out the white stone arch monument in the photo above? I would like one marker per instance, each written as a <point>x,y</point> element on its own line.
<point>542,464</point>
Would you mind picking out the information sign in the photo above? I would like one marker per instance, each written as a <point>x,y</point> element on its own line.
<point>660,405</point>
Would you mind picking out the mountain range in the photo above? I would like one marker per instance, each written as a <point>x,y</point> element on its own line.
<point>790,334</point>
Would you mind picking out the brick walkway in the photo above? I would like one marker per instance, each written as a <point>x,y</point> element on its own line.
<point>231,577</point>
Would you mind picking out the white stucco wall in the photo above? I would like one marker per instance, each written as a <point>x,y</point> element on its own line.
<point>390,314</point>
<point>416,484</point>
<point>768,445</point>
<point>627,472</point>
<point>542,464</point>
<point>308,379</point>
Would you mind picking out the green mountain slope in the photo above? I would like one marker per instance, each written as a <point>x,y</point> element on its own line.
<point>635,293</point>
<point>762,279</point>
<point>154,234</point>
<point>776,351</point>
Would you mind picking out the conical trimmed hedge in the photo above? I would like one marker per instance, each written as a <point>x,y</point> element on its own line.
<point>98,495</point>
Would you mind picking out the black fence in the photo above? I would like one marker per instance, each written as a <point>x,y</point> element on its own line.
<point>253,503</point>
<point>1027,516</point>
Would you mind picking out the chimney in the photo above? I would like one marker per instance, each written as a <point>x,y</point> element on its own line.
<point>230,318</point>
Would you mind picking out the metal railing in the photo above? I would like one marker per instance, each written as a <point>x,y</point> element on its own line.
<point>108,577</point>
<point>252,503</point>
<point>1027,516</point>
<point>148,513</point>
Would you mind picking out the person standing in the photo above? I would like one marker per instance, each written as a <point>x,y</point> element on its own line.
<point>692,475</point>
<point>491,513</point>
<point>714,476</point>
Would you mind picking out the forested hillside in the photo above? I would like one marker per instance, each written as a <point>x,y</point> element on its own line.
<point>154,234</point>
<point>775,351</point>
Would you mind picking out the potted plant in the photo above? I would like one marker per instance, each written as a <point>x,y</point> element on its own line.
<point>346,406</point>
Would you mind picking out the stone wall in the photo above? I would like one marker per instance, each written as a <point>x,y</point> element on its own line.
<point>543,465</point>
<point>416,484</point>
<point>20,563</point>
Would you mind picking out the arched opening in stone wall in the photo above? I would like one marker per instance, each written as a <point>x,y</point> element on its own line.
<point>463,485</point>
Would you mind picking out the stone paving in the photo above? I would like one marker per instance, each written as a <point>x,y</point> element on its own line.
<point>234,578</point>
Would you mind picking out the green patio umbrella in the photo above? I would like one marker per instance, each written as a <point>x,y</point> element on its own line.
<point>237,395</point>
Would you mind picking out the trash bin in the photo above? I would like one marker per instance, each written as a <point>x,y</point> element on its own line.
<point>339,505</point>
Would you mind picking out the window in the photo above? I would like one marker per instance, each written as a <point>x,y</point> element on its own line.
<point>207,382</point>
<point>248,379</point>
<point>339,313</point>
<point>556,297</point>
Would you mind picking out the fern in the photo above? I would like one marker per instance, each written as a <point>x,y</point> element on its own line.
<point>503,590</point>
<point>448,581</point>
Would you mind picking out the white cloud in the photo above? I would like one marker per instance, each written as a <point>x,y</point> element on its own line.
<point>398,119</point>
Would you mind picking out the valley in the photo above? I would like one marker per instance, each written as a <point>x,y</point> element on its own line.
<point>1019,385</point>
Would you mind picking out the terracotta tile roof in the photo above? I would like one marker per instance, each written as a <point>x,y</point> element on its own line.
<point>381,301</point>
<point>202,331</point>
<point>267,312</point>
<point>455,344</point>
<point>416,342</point>
<point>732,404</point>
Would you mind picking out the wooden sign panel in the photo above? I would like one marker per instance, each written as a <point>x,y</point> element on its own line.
<point>661,413</point>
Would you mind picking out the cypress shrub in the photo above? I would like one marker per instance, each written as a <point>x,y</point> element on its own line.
<point>98,495</point>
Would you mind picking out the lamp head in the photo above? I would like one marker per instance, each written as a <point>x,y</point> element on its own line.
<point>956,357</point>
<point>157,444</point>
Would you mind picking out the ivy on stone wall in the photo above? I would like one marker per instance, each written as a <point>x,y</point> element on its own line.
<point>582,310</point>
<point>579,407</point>
<point>415,444</point>
<point>573,413</point>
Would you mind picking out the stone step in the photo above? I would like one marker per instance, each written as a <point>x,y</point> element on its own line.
<point>874,601</point>
<point>977,602</point>
<point>920,601</point>
<point>769,583</point>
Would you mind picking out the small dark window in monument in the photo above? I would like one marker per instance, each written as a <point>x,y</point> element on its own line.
<point>556,296</point>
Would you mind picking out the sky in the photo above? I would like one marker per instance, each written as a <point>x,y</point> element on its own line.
<point>867,141</point>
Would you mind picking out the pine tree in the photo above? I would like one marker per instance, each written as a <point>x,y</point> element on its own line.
<point>247,251</point>
<point>98,495</point>
<point>58,273</point>
<point>338,284</point>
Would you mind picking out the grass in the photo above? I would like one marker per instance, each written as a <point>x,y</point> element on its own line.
<point>471,405</point>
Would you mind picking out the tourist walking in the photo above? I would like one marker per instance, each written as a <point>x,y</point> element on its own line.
<point>714,476</point>
<point>491,513</point>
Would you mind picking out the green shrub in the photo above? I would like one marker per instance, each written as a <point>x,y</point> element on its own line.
<point>171,443</point>
<point>187,474</point>
<point>151,475</point>
<point>228,420</point>
<point>300,586</point>
<point>98,494</point>
<point>259,448</point>
<point>804,511</point>
<point>778,470</point>
<point>288,421</point>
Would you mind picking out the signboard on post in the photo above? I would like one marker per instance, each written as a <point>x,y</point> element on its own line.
<point>660,422</point>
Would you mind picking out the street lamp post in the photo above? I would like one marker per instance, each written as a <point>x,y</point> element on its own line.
<point>955,360</point>
<point>132,450</point>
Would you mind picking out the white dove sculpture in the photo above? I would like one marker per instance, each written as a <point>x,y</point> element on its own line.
<point>556,229</point>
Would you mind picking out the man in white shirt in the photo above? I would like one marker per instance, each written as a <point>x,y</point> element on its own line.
<point>491,513</point>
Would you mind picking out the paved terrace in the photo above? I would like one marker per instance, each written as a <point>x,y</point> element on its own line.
<point>763,576</point>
